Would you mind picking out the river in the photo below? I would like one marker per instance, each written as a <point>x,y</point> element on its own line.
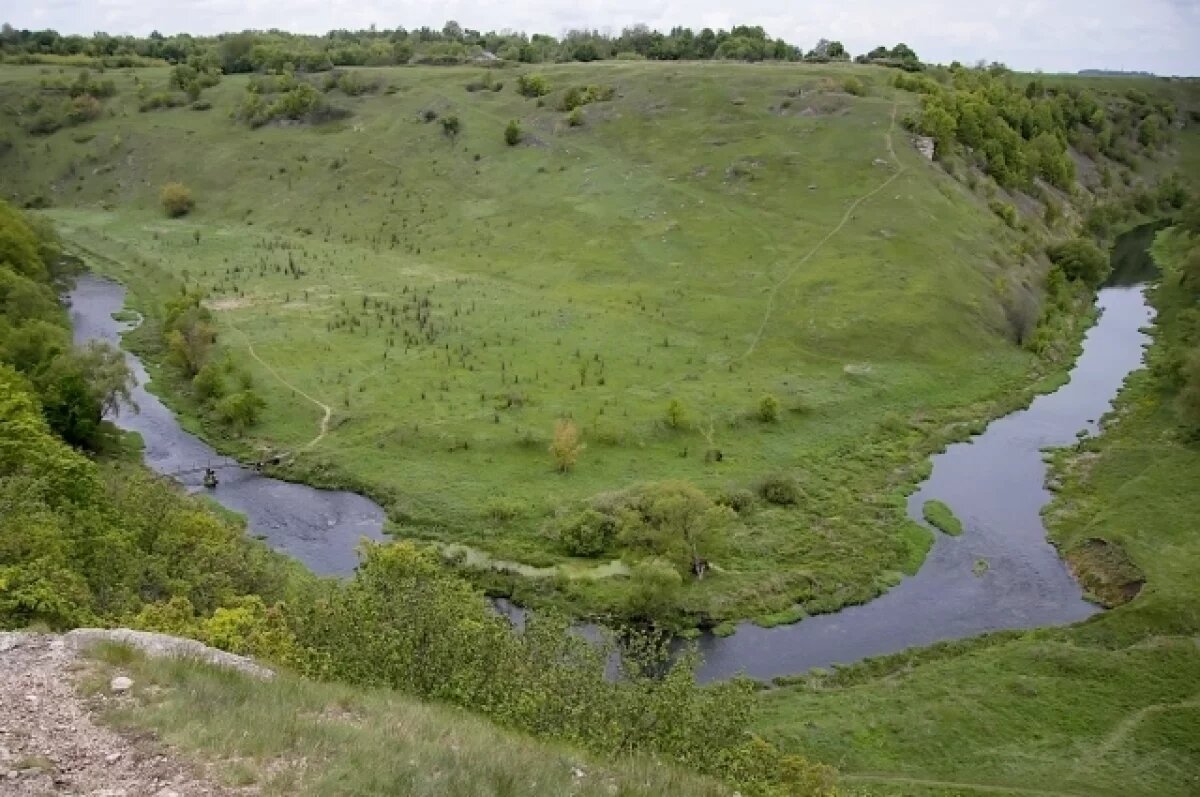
<point>321,528</point>
<point>1000,574</point>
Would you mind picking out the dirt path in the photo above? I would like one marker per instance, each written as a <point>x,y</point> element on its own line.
<point>887,136</point>
<point>325,408</point>
<point>1120,733</point>
<point>50,744</point>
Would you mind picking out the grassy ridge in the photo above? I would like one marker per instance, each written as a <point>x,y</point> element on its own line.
<point>292,736</point>
<point>1108,707</point>
<point>669,246</point>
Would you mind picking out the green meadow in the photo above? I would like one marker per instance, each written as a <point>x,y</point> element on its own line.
<point>419,309</point>
<point>1110,706</point>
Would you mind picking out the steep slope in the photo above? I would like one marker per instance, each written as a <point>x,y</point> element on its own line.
<point>187,727</point>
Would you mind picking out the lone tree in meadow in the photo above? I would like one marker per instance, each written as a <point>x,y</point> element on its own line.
<point>566,445</point>
<point>176,199</point>
<point>451,126</point>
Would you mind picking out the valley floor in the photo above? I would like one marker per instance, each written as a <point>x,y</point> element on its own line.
<point>419,311</point>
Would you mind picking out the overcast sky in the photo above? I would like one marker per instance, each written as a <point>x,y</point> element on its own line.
<point>1161,36</point>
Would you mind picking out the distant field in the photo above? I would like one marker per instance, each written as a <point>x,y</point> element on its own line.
<point>713,234</point>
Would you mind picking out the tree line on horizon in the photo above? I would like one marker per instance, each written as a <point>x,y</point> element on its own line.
<point>251,51</point>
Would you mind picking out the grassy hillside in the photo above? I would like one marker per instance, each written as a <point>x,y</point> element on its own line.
<point>291,736</point>
<point>713,235</point>
<point>1108,707</point>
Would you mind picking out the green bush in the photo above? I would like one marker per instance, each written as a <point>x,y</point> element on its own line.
<point>532,84</point>
<point>779,489</point>
<point>740,500</point>
<point>176,199</point>
<point>209,383</point>
<point>768,409</point>
<point>676,415</point>
<point>852,85</point>
<point>587,533</point>
<point>1082,260</point>
<point>505,509</point>
<point>354,84</point>
<point>512,133</point>
<point>1006,212</point>
<point>161,99</point>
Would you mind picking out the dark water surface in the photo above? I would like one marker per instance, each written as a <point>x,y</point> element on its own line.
<point>994,483</point>
<point>321,528</point>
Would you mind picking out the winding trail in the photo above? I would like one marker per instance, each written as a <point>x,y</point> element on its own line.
<point>1121,731</point>
<point>323,428</point>
<point>887,136</point>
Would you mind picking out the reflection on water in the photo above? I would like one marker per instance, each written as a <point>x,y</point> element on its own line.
<point>995,485</point>
<point>1130,259</point>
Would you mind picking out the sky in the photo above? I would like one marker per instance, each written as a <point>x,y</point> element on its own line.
<point>1161,36</point>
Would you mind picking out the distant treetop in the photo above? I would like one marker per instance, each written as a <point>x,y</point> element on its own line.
<point>250,51</point>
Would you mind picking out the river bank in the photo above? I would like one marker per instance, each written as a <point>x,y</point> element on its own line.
<point>1021,582</point>
<point>1107,707</point>
<point>320,528</point>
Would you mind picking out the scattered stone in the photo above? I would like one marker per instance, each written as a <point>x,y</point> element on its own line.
<point>925,146</point>
<point>61,748</point>
<point>121,684</point>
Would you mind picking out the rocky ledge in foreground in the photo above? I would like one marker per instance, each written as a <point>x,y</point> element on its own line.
<point>50,742</point>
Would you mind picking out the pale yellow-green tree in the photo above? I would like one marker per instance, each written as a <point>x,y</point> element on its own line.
<point>566,444</point>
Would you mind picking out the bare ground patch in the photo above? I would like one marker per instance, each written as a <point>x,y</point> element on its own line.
<point>1106,571</point>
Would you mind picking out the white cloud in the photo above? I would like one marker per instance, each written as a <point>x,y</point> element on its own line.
<point>1154,35</point>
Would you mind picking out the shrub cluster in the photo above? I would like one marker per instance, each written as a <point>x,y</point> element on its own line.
<point>1017,133</point>
<point>284,97</point>
<point>533,84</point>
<point>578,96</point>
<point>48,116</point>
